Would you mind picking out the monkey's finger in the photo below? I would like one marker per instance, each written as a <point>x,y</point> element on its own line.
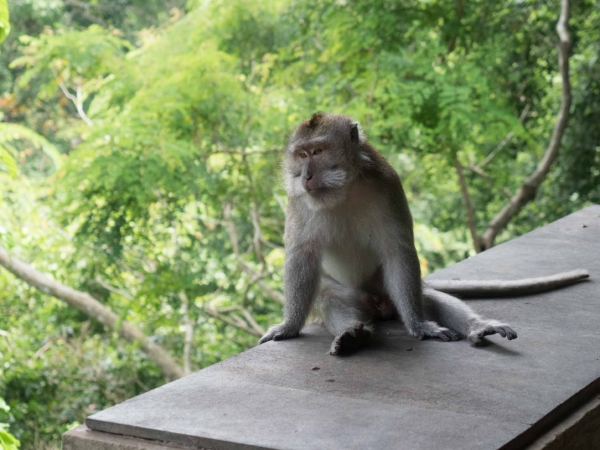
<point>510,333</point>
<point>443,336</point>
<point>500,331</point>
<point>455,336</point>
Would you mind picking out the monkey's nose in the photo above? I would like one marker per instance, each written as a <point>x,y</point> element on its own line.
<point>308,176</point>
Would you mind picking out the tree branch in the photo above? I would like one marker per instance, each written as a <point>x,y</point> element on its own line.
<point>476,170</point>
<point>471,221</point>
<point>233,236</point>
<point>77,100</point>
<point>528,189</point>
<point>91,307</point>
<point>235,320</point>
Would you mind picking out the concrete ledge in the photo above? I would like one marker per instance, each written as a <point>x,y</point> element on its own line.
<point>578,431</point>
<point>82,438</point>
<point>401,393</point>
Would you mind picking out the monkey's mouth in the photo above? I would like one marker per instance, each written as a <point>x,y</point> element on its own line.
<point>318,191</point>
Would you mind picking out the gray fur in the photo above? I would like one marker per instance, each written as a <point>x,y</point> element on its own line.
<point>350,253</point>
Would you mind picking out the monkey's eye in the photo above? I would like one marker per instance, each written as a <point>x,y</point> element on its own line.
<point>317,151</point>
<point>303,155</point>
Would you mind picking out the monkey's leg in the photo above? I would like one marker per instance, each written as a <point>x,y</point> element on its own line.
<point>344,312</point>
<point>451,312</point>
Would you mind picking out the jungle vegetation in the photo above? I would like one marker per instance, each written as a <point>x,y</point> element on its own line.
<point>141,206</point>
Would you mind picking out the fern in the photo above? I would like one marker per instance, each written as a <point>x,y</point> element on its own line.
<point>10,132</point>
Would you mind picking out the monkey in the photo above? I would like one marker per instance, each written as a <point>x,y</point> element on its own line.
<point>350,254</point>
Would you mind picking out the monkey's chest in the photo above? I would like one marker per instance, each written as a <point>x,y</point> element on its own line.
<point>352,263</point>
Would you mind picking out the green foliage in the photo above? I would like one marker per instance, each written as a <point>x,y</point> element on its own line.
<point>9,133</point>
<point>4,20</point>
<point>7,440</point>
<point>169,118</point>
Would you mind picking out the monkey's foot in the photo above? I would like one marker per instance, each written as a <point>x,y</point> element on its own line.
<point>350,339</point>
<point>433,330</point>
<point>279,332</point>
<point>488,327</point>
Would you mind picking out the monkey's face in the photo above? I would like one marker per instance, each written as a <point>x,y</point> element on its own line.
<point>318,167</point>
<point>319,163</point>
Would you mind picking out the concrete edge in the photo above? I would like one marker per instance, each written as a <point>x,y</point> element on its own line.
<point>581,430</point>
<point>566,421</point>
<point>82,438</point>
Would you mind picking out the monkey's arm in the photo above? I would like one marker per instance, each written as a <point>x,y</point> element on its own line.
<point>302,272</point>
<point>499,288</point>
<point>402,277</point>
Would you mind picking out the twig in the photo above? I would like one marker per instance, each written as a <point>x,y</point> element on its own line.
<point>110,288</point>
<point>233,237</point>
<point>252,322</point>
<point>77,100</point>
<point>254,215</point>
<point>231,229</point>
<point>487,176</point>
<point>280,202</point>
<point>234,323</point>
<point>241,152</point>
<point>42,349</point>
<point>189,333</point>
<point>6,334</point>
<point>504,141</point>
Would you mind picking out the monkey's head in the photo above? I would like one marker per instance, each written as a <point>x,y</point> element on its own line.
<point>323,158</point>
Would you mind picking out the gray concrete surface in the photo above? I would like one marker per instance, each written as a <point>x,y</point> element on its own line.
<point>401,393</point>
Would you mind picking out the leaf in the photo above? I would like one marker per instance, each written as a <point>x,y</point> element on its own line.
<point>4,20</point>
<point>12,132</point>
<point>9,162</point>
<point>8,441</point>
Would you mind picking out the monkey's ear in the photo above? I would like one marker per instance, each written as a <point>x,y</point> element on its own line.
<point>315,120</point>
<point>354,132</point>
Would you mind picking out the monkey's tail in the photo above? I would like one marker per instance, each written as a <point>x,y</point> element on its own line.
<point>504,288</point>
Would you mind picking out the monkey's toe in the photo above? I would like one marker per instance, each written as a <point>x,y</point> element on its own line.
<point>431,330</point>
<point>350,340</point>
<point>278,333</point>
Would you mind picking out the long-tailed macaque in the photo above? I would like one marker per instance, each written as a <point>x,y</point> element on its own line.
<point>350,253</point>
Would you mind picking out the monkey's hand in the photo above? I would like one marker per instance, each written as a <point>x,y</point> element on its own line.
<point>280,332</point>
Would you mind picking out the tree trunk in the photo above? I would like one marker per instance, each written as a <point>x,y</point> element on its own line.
<point>528,189</point>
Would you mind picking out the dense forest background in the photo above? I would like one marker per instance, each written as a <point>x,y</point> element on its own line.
<point>140,143</point>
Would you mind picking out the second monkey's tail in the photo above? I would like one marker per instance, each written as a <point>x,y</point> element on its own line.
<point>504,288</point>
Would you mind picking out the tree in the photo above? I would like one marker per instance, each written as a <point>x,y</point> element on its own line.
<point>526,192</point>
